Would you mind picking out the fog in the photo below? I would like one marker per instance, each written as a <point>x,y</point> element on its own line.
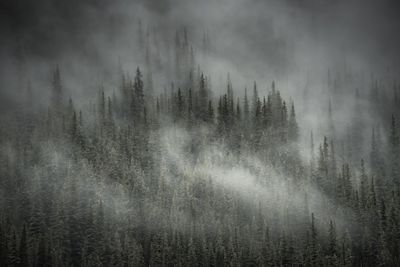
<point>294,43</point>
<point>215,130</point>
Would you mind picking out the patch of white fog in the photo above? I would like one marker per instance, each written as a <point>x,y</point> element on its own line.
<point>252,180</point>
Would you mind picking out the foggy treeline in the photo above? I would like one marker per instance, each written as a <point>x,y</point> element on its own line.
<point>162,165</point>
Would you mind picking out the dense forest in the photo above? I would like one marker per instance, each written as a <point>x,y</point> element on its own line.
<point>188,174</point>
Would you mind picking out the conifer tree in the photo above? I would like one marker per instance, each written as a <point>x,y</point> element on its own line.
<point>23,249</point>
<point>293,127</point>
<point>255,100</point>
<point>57,90</point>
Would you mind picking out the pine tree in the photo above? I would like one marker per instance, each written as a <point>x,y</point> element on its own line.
<point>210,112</point>
<point>149,79</point>
<point>255,100</point>
<point>203,98</point>
<point>116,251</point>
<point>190,108</point>
<point>191,254</point>
<point>383,216</point>
<point>376,161</point>
<point>134,253</point>
<point>383,256</point>
<point>330,120</point>
<point>180,105</point>
<point>238,111</point>
<point>246,108</point>
<point>332,247</point>
<point>74,225</point>
<point>363,186</point>
<point>394,152</point>
<point>23,249</point>
<point>43,255</point>
<point>314,242</point>
<point>293,127</point>
<point>156,257</point>
<point>57,90</point>
<point>138,95</point>
<point>102,107</point>
<point>13,257</point>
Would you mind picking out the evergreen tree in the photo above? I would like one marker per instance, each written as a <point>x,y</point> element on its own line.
<point>255,100</point>
<point>293,127</point>
<point>23,249</point>
<point>13,258</point>
<point>57,90</point>
<point>394,152</point>
<point>138,95</point>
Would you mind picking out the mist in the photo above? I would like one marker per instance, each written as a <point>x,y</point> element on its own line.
<point>199,133</point>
